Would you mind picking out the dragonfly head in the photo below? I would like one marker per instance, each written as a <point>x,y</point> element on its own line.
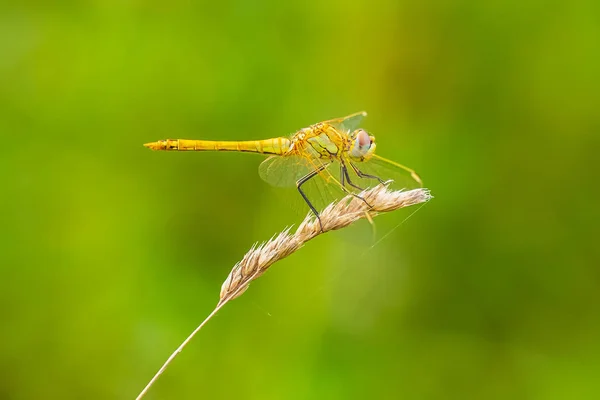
<point>362,146</point>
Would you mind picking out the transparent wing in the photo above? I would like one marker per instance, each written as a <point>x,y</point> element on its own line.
<point>365,174</point>
<point>349,123</point>
<point>322,189</point>
<point>285,171</point>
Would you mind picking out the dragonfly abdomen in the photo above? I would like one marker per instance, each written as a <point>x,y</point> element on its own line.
<point>277,146</point>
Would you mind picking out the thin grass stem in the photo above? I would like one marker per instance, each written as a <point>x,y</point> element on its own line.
<point>259,258</point>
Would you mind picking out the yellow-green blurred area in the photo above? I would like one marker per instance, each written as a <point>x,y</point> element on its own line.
<point>111,254</point>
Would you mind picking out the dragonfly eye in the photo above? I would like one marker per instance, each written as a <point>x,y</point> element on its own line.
<point>362,144</point>
<point>363,139</point>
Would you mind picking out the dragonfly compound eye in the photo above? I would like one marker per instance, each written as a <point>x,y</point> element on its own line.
<point>363,139</point>
<point>362,144</point>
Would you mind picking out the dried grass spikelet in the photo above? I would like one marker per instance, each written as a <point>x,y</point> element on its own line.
<point>335,216</point>
<point>260,257</point>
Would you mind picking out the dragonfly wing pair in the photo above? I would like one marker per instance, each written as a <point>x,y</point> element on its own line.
<point>331,179</point>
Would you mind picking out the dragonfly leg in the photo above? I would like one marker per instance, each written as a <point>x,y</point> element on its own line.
<point>344,173</point>
<point>363,175</point>
<point>301,182</point>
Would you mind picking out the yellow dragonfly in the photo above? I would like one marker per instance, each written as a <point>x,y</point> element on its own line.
<point>314,152</point>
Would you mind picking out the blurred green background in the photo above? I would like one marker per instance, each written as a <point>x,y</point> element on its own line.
<point>111,254</point>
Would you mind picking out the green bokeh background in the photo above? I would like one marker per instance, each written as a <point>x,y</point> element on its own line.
<point>111,254</point>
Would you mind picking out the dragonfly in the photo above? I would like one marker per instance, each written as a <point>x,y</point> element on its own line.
<point>314,153</point>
